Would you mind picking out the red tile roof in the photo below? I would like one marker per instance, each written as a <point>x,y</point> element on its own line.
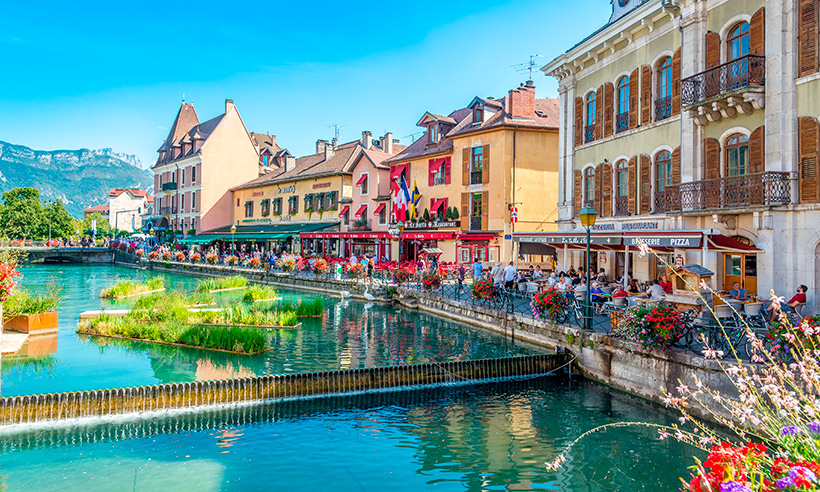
<point>134,192</point>
<point>96,208</point>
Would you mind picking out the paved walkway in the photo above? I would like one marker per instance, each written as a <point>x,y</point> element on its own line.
<point>12,341</point>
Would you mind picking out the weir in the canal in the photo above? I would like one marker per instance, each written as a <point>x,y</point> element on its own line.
<point>98,403</point>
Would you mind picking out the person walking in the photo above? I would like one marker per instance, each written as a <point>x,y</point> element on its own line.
<point>476,270</point>
<point>509,276</point>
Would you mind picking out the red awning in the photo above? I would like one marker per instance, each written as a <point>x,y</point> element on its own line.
<point>361,180</point>
<point>476,237</point>
<point>428,235</point>
<point>345,235</point>
<point>435,204</point>
<point>361,210</point>
<point>379,209</point>
<point>719,242</point>
<point>344,210</point>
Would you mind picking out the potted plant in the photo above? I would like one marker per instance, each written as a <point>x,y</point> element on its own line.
<point>27,313</point>
<point>548,304</point>
<point>309,211</point>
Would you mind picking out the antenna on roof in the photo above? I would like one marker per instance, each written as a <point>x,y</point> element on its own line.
<point>336,128</point>
<point>529,66</point>
<point>183,98</point>
<point>413,135</point>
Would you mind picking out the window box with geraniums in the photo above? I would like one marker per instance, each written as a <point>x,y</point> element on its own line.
<point>483,289</point>
<point>651,327</point>
<point>355,270</point>
<point>167,256</point>
<point>256,262</point>
<point>153,255</point>
<point>549,304</point>
<point>431,281</point>
<point>402,275</point>
<point>319,266</point>
<point>232,260</point>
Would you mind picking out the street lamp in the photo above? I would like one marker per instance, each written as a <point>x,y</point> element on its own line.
<point>588,216</point>
<point>233,231</point>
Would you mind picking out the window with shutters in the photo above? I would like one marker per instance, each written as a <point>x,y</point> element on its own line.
<point>478,115</point>
<point>621,188</point>
<point>476,164</point>
<point>439,171</point>
<point>737,155</point>
<point>622,118</point>
<point>589,186</point>
<point>432,133</point>
<point>265,206</point>
<point>248,209</point>
<point>738,42</point>
<point>663,105</point>
<point>476,211</point>
<point>663,171</point>
<point>592,111</point>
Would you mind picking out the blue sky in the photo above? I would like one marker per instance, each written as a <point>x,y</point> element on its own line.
<point>113,74</point>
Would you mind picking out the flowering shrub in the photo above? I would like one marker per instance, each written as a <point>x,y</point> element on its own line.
<point>196,258</point>
<point>232,260</point>
<point>547,304</point>
<point>652,327</point>
<point>431,281</point>
<point>167,255</point>
<point>180,256</point>
<point>8,272</point>
<point>783,339</point>
<point>483,289</point>
<point>354,269</point>
<point>256,262</point>
<point>402,275</point>
<point>287,264</point>
<point>212,259</point>
<point>153,255</point>
<point>140,252</point>
<point>319,266</point>
<point>16,242</point>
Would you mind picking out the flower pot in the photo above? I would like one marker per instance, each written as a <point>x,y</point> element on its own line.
<point>33,323</point>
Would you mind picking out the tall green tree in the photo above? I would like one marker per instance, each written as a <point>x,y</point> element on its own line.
<point>56,215</point>
<point>103,227</point>
<point>22,214</point>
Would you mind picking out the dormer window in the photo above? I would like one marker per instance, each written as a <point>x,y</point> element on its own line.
<point>478,115</point>
<point>432,133</point>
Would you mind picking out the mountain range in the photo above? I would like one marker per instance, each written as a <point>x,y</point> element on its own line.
<point>80,178</point>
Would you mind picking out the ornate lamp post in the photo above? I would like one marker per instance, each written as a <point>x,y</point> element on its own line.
<point>233,231</point>
<point>588,216</point>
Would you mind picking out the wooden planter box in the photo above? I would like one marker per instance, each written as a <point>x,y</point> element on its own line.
<point>33,323</point>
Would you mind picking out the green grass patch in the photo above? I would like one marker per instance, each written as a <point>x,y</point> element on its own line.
<point>315,307</point>
<point>220,283</point>
<point>240,314</point>
<point>127,288</point>
<point>259,292</point>
<point>21,301</point>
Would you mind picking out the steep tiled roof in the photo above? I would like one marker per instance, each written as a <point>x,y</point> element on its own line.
<point>308,167</point>
<point>545,116</point>
<point>198,131</point>
<point>119,191</point>
<point>264,141</point>
<point>97,208</point>
<point>185,120</point>
<point>419,148</point>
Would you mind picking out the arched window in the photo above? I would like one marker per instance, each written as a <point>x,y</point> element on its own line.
<point>622,118</point>
<point>663,171</point>
<point>592,111</point>
<point>737,155</point>
<point>663,106</point>
<point>589,186</point>
<point>737,43</point>
<point>621,188</point>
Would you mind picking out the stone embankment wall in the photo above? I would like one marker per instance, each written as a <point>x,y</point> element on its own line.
<point>96,403</point>
<point>615,362</point>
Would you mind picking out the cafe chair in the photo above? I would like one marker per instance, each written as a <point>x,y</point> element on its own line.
<point>799,309</point>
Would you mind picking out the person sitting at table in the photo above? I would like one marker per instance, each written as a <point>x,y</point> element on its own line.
<point>619,292</point>
<point>601,278</point>
<point>597,294</point>
<point>655,291</point>
<point>561,285</point>
<point>738,293</point>
<point>538,273</point>
<point>571,271</point>
<point>551,280</point>
<point>633,288</point>
<point>665,284</point>
<point>581,289</point>
<point>788,307</point>
<point>530,271</point>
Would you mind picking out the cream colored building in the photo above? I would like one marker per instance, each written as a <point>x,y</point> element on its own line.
<point>197,165</point>
<point>692,125</point>
<point>126,208</point>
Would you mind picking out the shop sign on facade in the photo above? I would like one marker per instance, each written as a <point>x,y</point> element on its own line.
<point>288,189</point>
<point>321,185</point>
<point>444,224</point>
<point>628,226</point>
<point>665,241</point>
<point>556,239</point>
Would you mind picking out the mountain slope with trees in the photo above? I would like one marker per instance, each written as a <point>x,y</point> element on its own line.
<point>79,178</point>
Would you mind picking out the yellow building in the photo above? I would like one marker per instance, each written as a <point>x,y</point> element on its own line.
<point>480,162</point>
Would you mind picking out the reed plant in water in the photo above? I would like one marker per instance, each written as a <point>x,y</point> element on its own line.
<point>127,288</point>
<point>259,292</point>
<point>221,283</point>
<point>314,307</point>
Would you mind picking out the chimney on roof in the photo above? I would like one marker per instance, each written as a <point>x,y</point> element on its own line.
<point>321,145</point>
<point>228,105</point>
<point>334,143</point>
<point>290,163</point>
<point>386,143</point>
<point>522,101</point>
<point>367,139</point>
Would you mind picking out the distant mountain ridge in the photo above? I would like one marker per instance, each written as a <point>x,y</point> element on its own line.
<point>80,178</point>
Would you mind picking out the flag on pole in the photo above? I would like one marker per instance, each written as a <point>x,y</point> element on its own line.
<point>414,199</point>
<point>400,202</point>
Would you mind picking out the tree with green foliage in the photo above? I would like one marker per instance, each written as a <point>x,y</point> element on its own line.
<point>425,216</point>
<point>103,227</point>
<point>56,218</point>
<point>22,214</point>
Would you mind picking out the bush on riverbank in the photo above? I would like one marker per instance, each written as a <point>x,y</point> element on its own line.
<point>128,288</point>
<point>21,301</point>
<point>221,283</point>
<point>259,292</point>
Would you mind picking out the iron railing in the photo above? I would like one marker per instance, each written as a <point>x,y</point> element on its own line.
<point>167,210</point>
<point>659,204</point>
<point>767,188</point>
<point>589,133</point>
<point>621,122</point>
<point>746,71</point>
<point>475,223</point>
<point>169,186</point>
<point>360,225</point>
<point>621,205</point>
<point>663,108</point>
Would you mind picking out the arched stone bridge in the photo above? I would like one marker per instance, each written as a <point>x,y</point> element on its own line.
<point>38,254</point>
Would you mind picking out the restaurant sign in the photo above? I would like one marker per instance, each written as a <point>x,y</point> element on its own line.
<point>288,189</point>
<point>444,224</point>
<point>665,241</point>
<point>560,239</point>
<point>628,226</point>
<point>321,185</point>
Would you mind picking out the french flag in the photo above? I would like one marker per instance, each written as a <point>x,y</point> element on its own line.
<point>400,201</point>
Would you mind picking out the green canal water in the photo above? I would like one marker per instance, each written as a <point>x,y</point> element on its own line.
<point>463,438</point>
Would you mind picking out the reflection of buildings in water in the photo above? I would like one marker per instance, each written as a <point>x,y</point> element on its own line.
<point>207,370</point>
<point>226,438</point>
<point>39,345</point>
<point>173,365</point>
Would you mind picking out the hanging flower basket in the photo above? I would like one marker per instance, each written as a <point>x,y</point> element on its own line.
<point>652,327</point>
<point>483,289</point>
<point>549,304</point>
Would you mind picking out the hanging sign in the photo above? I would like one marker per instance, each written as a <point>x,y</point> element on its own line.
<point>514,215</point>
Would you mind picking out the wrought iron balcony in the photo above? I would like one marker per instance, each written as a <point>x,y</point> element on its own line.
<point>659,204</point>
<point>621,205</point>
<point>663,108</point>
<point>475,223</point>
<point>360,225</point>
<point>723,91</point>
<point>748,190</point>
<point>589,133</point>
<point>167,210</point>
<point>169,186</point>
<point>621,122</point>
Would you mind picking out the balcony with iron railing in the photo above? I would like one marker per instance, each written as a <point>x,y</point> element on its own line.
<point>589,133</point>
<point>734,87</point>
<point>171,186</point>
<point>360,225</point>
<point>621,206</point>
<point>167,210</point>
<point>663,108</point>
<point>659,202</point>
<point>621,122</point>
<point>748,190</point>
<point>475,223</point>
